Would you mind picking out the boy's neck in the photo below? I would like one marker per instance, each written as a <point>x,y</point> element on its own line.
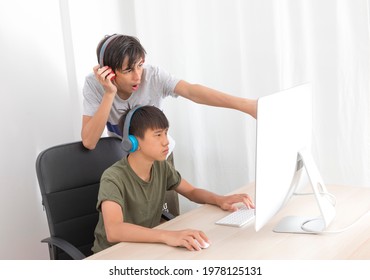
<point>124,95</point>
<point>141,166</point>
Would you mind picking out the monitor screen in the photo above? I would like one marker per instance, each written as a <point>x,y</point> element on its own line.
<point>283,144</point>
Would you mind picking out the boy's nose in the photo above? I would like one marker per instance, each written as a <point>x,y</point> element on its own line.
<point>166,142</point>
<point>137,74</point>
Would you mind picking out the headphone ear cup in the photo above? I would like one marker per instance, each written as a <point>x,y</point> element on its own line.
<point>129,142</point>
<point>134,143</point>
<point>126,145</point>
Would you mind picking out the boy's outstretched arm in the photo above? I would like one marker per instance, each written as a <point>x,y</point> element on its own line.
<point>208,96</point>
<point>119,231</point>
<point>225,202</point>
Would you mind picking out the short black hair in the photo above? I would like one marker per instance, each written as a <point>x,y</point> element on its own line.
<point>118,49</point>
<point>144,118</point>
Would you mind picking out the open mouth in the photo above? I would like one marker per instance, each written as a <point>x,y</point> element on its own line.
<point>135,87</point>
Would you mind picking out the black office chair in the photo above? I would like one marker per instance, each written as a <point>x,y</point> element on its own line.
<point>69,177</point>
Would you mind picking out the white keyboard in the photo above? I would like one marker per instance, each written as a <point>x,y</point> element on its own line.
<point>238,218</point>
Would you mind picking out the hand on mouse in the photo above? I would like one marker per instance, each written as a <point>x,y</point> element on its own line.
<point>205,245</point>
<point>190,239</point>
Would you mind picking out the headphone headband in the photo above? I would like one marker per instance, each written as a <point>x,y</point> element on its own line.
<point>104,46</point>
<point>129,142</point>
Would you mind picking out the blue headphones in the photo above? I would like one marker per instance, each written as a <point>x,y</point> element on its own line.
<point>105,45</point>
<point>129,142</point>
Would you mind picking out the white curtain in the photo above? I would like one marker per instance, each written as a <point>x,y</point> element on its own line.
<point>254,48</point>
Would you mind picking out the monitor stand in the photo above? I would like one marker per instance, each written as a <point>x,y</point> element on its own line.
<point>298,224</point>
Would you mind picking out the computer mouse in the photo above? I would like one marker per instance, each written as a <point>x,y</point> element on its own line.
<point>205,246</point>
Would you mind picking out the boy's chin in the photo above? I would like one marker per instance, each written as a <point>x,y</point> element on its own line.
<point>162,158</point>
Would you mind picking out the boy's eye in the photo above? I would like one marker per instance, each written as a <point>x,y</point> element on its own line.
<point>126,71</point>
<point>161,132</point>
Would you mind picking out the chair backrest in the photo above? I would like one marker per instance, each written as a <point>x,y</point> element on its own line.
<point>69,177</point>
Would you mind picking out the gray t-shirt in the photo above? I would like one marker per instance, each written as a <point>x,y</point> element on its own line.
<point>141,202</point>
<point>156,84</point>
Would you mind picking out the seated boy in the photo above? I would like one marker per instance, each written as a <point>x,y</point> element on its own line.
<point>132,191</point>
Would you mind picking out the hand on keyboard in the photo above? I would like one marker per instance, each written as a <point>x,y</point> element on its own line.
<point>228,202</point>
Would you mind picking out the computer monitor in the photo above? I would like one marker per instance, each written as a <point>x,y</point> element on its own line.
<point>283,152</point>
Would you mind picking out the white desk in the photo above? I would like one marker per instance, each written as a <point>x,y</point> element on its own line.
<point>245,243</point>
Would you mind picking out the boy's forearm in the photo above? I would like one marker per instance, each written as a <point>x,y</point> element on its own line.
<point>127,232</point>
<point>202,196</point>
<point>208,96</point>
<point>198,195</point>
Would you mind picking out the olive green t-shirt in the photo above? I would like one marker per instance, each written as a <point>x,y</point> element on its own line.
<point>141,201</point>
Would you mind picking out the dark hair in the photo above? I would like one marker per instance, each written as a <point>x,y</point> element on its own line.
<point>146,117</point>
<point>118,49</point>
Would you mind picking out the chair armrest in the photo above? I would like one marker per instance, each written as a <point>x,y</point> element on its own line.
<point>167,216</point>
<point>65,246</point>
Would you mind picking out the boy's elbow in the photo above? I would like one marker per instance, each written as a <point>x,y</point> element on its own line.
<point>111,236</point>
<point>88,144</point>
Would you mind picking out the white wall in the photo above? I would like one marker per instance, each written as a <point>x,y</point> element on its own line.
<point>35,113</point>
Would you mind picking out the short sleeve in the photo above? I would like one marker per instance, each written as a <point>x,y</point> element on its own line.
<point>162,81</point>
<point>109,190</point>
<point>173,176</point>
<point>92,95</point>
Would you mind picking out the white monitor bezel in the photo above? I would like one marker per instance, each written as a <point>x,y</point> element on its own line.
<point>283,144</point>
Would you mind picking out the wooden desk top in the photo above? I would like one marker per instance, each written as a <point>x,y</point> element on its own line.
<point>245,243</point>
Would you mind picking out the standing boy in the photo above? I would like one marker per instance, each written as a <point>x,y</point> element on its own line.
<point>122,81</point>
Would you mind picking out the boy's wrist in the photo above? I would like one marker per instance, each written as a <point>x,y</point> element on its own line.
<point>110,93</point>
<point>159,236</point>
<point>218,200</point>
